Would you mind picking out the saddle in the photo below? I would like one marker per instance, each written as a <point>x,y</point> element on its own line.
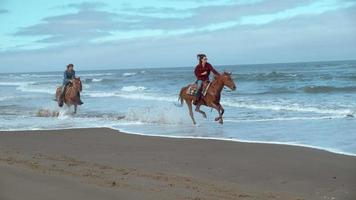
<point>193,88</point>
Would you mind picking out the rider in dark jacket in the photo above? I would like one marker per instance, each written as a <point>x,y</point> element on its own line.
<point>68,76</point>
<point>202,72</point>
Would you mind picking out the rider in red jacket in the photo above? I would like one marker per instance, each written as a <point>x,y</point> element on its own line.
<point>202,72</point>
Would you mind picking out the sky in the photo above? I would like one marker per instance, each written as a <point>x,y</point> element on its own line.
<point>46,35</point>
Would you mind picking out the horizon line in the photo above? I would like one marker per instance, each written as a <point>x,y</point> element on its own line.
<point>217,65</point>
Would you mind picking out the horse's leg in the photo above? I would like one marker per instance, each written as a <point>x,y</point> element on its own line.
<point>75,109</point>
<point>221,121</point>
<point>190,107</point>
<point>201,112</point>
<point>220,110</point>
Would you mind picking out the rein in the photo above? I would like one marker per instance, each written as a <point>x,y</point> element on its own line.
<point>216,87</point>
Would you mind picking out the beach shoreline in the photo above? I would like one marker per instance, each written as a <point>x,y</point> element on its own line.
<point>107,164</point>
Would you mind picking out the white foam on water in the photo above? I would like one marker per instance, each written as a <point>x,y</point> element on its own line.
<point>4,98</point>
<point>95,74</point>
<point>65,113</point>
<point>40,75</point>
<point>290,107</point>
<point>134,96</point>
<point>132,88</point>
<point>35,89</point>
<point>97,79</point>
<point>158,115</point>
<point>15,83</point>
<point>332,150</point>
<point>284,119</point>
<point>129,74</point>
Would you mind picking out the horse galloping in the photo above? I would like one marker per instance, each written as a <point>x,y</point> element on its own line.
<point>211,98</point>
<point>72,94</point>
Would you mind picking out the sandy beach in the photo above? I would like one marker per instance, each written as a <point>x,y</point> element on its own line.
<point>106,164</point>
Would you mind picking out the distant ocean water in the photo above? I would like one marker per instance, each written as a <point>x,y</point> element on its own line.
<point>310,104</point>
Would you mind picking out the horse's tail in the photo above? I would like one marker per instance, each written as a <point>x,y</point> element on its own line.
<point>180,98</point>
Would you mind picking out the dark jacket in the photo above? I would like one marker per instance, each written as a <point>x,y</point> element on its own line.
<point>68,76</point>
<point>199,69</point>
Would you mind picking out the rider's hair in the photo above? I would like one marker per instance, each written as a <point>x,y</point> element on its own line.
<point>70,65</point>
<point>200,57</point>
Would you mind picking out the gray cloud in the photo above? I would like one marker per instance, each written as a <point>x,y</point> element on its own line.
<point>90,22</point>
<point>83,25</point>
<point>304,38</point>
<point>326,37</point>
<point>85,5</point>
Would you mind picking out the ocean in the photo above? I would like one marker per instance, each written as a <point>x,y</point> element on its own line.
<point>308,104</point>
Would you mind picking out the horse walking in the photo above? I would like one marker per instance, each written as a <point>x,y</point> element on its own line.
<point>211,98</point>
<point>72,94</point>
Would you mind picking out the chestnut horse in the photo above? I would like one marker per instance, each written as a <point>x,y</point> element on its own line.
<point>212,97</point>
<point>71,96</point>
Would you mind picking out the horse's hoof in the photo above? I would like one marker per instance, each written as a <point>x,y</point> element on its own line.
<point>204,116</point>
<point>221,122</point>
<point>217,119</point>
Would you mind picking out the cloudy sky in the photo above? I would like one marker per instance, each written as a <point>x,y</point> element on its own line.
<point>42,35</point>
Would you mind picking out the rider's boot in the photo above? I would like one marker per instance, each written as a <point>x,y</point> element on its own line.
<point>60,101</point>
<point>197,107</point>
<point>61,97</point>
<point>80,100</point>
<point>197,98</point>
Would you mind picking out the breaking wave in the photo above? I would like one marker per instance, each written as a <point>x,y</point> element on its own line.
<point>129,74</point>
<point>328,89</point>
<point>289,107</point>
<point>132,88</point>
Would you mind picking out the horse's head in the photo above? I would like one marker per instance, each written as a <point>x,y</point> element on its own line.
<point>77,84</point>
<point>227,80</point>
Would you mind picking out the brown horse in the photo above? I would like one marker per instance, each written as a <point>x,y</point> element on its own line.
<point>71,96</point>
<point>212,97</point>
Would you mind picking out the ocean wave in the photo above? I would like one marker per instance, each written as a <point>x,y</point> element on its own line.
<point>132,88</point>
<point>129,74</point>
<point>284,119</point>
<point>32,88</point>
<point>40,75</point>
<point>97,79</point>
<point>134,96</point>
<point>306,89</point>
<point>157,115</point>
<point>15,83</point>
<point>289,107</point>
<point>28,87</point>
<point>93,80</point>
<point>328,89</point>
<point>4,98</point>
<point>271,76</point>
<point>95,74</point>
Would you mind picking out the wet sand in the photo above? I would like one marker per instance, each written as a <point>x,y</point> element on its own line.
<point>106,164</point>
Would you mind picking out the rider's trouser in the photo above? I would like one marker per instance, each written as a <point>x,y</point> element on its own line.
<point>200,86</point>
<point>64,88</point>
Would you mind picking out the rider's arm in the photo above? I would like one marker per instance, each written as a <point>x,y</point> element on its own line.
<point>65,78</point>
<point>213,70</point>
<point>73,74</point>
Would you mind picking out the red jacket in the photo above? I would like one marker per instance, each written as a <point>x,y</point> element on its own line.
<point>199,69</point>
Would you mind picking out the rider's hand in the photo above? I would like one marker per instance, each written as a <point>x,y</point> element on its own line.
<point>204,73</point>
